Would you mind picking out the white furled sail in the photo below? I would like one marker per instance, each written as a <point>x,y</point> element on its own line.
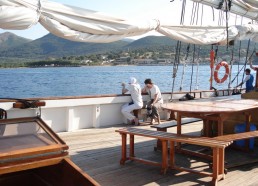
<point>83,25</point>
<point>246,8</point>
<point>69,22</point>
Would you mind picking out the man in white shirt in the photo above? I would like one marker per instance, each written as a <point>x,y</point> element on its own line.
<point>135,90</point>
<point>156,99</point>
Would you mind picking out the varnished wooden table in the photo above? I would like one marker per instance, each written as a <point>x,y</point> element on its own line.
<point>215,109</point>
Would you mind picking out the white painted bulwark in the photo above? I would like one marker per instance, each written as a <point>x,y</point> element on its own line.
<point>96,116</point>
<point>56,118</point>
<point>74,113</point>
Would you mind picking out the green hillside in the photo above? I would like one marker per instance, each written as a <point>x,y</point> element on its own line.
<point>152,41</point>
<point>52,46</point>
<point>10,40</point>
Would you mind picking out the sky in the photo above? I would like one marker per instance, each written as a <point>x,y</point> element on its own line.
<point>164,10</point>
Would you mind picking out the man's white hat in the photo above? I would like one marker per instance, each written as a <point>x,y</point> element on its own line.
<point>132,80</point>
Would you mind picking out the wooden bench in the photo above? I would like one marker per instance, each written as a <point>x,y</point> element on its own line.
<point>239,136</point>
<point>163,127</point>
<point>217,146</point>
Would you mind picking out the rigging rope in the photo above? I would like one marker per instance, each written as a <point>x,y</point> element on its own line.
<point>231,66</point>
<point>213,14</point>
<point>239,54</point>
<point>197,70</point>
<point>239,57</point>
<point>192,69</point>
<point>216,53</point>
<point>192,17</point>
<point>242,67</point>
<point>183,73</point>
<point>247,52</point>
<point>175,65</point>
<point>195,15</point>
<point>178,50</point>
<point>198,57</point>
<point>182,79</point>
<point>232,56</point>
<point>202,15</point>
<point>227,9</point>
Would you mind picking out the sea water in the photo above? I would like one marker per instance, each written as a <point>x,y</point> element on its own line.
<point>99,80</point>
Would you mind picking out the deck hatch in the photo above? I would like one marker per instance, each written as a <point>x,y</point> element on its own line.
<point>26,138</point>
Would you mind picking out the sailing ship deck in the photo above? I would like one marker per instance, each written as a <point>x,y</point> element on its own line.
<point>97,152</point>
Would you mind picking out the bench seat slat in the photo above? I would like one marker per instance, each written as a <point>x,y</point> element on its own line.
<point>238,136</point>
<point>177,138</point>
<point>165,136</point>
<point>196,139</point>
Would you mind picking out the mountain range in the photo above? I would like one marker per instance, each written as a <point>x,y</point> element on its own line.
<point>51,46</point>
<point>10,40</point>
<point>13,46</point>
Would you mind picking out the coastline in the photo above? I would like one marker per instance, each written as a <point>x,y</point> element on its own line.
<point>99,66</point>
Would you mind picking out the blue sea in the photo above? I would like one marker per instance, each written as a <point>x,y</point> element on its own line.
<point>80,81</point>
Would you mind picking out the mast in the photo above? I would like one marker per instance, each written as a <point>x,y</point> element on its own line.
<point>212,59</point>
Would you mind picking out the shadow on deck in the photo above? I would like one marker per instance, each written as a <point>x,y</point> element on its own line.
<point>97,152</point>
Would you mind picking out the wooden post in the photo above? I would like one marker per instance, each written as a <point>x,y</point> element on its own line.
<point>172,115</point>
<point>215,166</point>
<point>221,162</point>
<point>179,128</point>
<point>159,144</point>
<point>164,156</point>
<point>205,127</point>
<point>123,158</point>
<point>247,129</point>
<point>220,126</point>
<point>131,145</point>
<point>209,128</point>
<point>172,155</point>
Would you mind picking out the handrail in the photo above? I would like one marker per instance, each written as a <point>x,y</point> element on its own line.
<point>103,95</point>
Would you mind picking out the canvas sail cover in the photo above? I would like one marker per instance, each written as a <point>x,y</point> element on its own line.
<point>246,8</point>
<point>84,25</point>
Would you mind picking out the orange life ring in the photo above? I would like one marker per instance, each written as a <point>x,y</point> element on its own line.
<point>216,74</point>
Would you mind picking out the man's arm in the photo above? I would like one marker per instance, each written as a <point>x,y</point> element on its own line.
<point>240,84</point>
<point>252,67</point>
<point>124,90</point>
<point>245,80</point>
<point>155,99</point>
<point>144,90</point>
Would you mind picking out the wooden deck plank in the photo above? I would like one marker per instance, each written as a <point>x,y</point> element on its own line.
<point>98,152</point>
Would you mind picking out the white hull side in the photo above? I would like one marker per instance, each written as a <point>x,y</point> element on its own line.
<point>74,113</point>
